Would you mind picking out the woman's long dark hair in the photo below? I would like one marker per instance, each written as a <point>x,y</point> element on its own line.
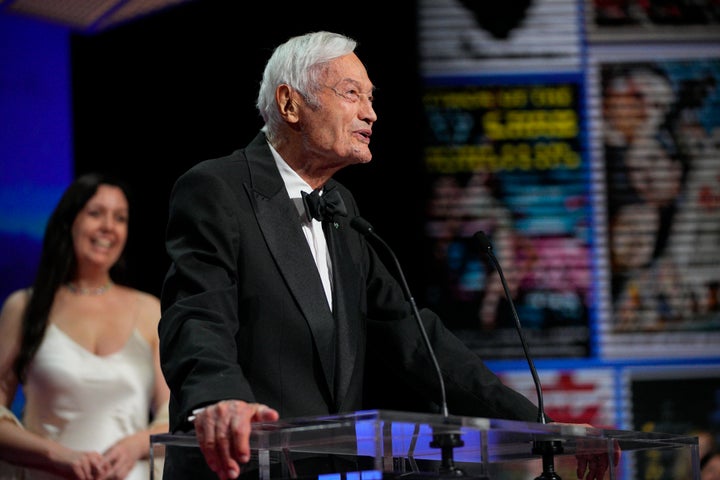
<point>58,263</point>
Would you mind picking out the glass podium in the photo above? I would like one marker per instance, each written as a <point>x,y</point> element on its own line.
<point>383,444</point>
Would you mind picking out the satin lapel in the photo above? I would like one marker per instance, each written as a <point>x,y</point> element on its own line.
<point>345,278</point>
<point>280,225</point>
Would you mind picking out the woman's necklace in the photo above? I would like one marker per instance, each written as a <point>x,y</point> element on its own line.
<point>89,291</point>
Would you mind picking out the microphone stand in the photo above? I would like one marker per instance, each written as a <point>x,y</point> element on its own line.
<point>546,448</point>
<point>448,440</point>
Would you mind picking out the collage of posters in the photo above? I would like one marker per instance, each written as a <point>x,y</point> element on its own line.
<point>583,140</point>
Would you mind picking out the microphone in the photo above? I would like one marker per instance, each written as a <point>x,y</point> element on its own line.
<point>546,448</point>
<point>443,438</point>
<point>364,227</point>
<point>485,244</point>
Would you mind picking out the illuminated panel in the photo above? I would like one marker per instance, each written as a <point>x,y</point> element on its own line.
<point>507,156</point>
<point>658,180</point>
<point>478,37</point>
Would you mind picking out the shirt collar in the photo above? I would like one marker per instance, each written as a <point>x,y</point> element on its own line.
<point>294,184</point>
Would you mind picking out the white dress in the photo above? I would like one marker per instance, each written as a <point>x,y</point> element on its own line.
<point>86,401</point>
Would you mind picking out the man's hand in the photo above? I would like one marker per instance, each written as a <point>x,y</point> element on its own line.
<point>592,460</point>
<point>595,462</point>
<point>223,433</point>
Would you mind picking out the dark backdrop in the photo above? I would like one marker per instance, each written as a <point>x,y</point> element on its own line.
<point>153,97</point>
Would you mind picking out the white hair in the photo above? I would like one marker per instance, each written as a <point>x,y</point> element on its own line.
<point>297,63</point>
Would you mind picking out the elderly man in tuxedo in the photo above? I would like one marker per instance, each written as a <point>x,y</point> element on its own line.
<point>273,301</point>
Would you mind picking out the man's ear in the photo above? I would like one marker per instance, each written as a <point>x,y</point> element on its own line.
<point>287,102</point>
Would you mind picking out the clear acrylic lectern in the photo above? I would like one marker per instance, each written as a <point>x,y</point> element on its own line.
<point>397,445</point>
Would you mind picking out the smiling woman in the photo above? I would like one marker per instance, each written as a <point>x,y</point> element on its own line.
<point>83,348</point>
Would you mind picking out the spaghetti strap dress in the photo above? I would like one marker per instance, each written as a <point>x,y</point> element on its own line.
<point>87,401</point>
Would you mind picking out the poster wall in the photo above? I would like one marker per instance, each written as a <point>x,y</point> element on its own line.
<point>583,139</point>
<point>592,169</point>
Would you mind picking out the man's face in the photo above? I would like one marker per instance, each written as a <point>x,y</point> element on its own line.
<point>339,130</point>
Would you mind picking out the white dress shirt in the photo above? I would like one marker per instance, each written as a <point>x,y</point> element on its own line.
<point>312,229</point>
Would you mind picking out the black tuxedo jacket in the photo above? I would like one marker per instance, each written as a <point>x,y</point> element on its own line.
<point>245,315</point>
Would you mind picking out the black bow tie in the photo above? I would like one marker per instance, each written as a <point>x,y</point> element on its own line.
<point>323,207</point>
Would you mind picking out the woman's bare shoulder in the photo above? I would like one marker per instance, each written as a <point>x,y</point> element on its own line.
<point>14,306</point>
<point>148,301</point>
<point>147,308</point>
<point>10,339</point>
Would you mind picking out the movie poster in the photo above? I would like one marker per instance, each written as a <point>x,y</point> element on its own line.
<point>659,147</point>
<point>571,395</point>
<point>648,20</point>
<point>682,400</point>
<point>508,159</point>
<point>466,37</point>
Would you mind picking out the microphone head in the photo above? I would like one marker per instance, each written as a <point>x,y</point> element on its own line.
<point>483,240</point>
<point>361,225</point>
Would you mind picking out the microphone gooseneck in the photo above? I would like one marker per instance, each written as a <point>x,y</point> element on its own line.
<point>364,227</point>
<point>545,448</point>
<point>485,244</point>
<point>446,437</point>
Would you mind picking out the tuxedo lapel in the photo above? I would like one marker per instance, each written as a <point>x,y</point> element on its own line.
<point>280,225</point>
<point>345,301</point>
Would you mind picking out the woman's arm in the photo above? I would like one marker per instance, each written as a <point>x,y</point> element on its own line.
<point>17,445</point>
